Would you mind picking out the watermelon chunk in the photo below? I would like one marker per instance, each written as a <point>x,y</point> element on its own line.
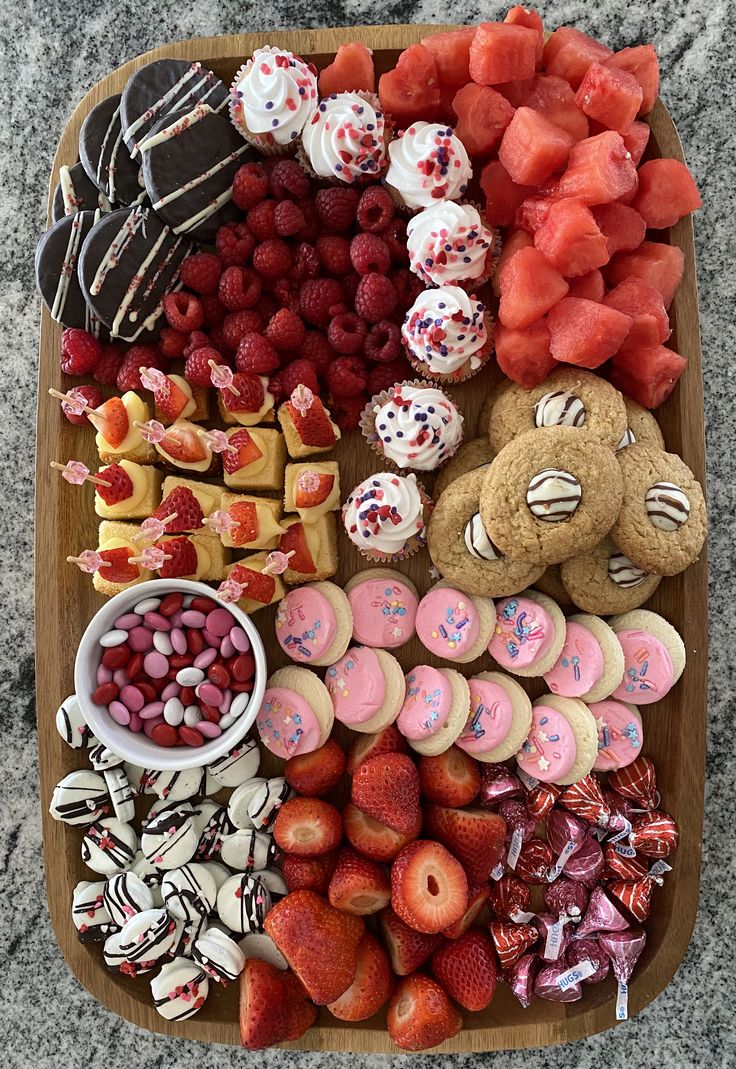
<point>451,53</point>
<point>599,170</point>
<point>642,62</point>
<point>623,228</point>
<point>503,195</point>
<point>482,116</point>
<point>666,193</point>
<point>636,298</point>
<point>529,288</point>
<point>532,212</point>
<point>649,375</point>
<point>584,332</point>
<point>533,147</point>
<point>570,239</point>
<point>590,286</point>
<point>517,239</point>
<point>517,91</point>
<point>524,16</point>
<point>523,354</point>
<point>352,68</point>
<point>636,140</point>
<point>568,53</point>
<point>611,97</point>
<point>501,52</point>
<point>411,91</point>
<point>552,97</point>
<point>658,264</point>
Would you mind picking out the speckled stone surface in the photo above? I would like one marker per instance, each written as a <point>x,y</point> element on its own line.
<point>58,51</point>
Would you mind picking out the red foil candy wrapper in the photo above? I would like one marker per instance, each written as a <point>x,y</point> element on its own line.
<point>509,896</point>
<point>624,949</point>
<point>586,864</point>
<point>566,896</point>
<point>654,834</point>
<point>497,784</point>
<point>601,915</point>
<point>535,861</point>
<point>539,800</point>
<point>618,867</point>
<point>511,940</point>
<point>637,781</point>
<point>590,950</point>
<point>544,922</point>
<point>563,828</point>
<point>516,815</point>
<point>636,897</point>
<point>585,799</point>
<point>547,987</point>
<point>521,976</point>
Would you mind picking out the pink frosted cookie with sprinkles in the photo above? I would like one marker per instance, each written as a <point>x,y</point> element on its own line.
<point>314,623</point>
<point>367,688</point>
<point>620,734</point>
<point>435,709</point>
<point>296,715</point>
<point>384,606</point>
<point>499,719</point>
<point>654,656</point>
<point>454,625</point>
<point>562,744</point>
<point>529,633</point>
<point>591,662</point>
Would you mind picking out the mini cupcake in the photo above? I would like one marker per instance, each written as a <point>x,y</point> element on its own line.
<point>447,334</point>
<point>345,138</point>
<point>386,516</point>
<point>413,425</point>
<point>450,243</point>
<point>272,96</point>
<point>427,163</point>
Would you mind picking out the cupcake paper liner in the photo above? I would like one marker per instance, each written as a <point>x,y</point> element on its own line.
<point>368,426</point>
<point>413,545</point>
<point>464,372</point>
<point>264,143</point>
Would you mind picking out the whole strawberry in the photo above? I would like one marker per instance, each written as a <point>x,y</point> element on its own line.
<point>387,788</point>
<point>466,968</point>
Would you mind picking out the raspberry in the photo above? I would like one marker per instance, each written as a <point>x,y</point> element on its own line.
<point>80,351</point>
<point>236,324</point>
<point>408,286</point>
<point>256,355</point>
<point>272,258</point>
<point>346,411</point>
<point>346,333</point>
<point>349,282</point>
<point>286,292</point>
<point>171,342</point>
<point>288,180</point>
<point>306,262</point>
<point>197,370</point>
<point>107,367</point>
<point>369,253</point>
<point>317,296</point>
<point>336,207</point>
<point>395,237</point>
<point>213,308</point>
<point>239,288</point>
<point>334,253</point>
<point>300,372</point>
<point>383,376</point>
<point>375,209</point>
<point>251,393</point>
<point>196,340</point>
<point>383,343</point>
<point>129,373</point>
<point>183,311</point>
<point>285,331</point>
<point>346,376</point>
<point>376,297</point>
<point>88,395</point>
<point>250,186</point>
<point>260,220</point>
<point>317,350</point>
<point>275,388</point>
<point>268,306</point>
<point>312,223</point>
<point>234,243</point>
<point>218,340</point>
<point>201,272</point>
<point>288,218</point>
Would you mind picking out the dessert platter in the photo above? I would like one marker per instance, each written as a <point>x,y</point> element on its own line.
<point>371,584</point>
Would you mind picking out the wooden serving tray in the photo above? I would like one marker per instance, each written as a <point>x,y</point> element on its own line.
<point>65,602</point>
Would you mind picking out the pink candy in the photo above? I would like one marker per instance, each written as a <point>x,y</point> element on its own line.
<point>210,694</point>
<point>119,713</point>
<point>155,665</point>
<point>205,658</point>
<point>219,623</point>
<point>239,639</point>
<point>140,639</point>
<point>193,618</point>
<point>132,698</point>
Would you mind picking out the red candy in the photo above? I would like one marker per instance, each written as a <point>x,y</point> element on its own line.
<point>219,675</point>
<point>116,657</point>
<point>105,693</point>
<point>509,896</point>
<point>637,780</point>
<point>205,605</point>
<point>635,897</point>
<point>134,666</point>
<point>190,736</point>
<point>585,799</point>
<point>171,604</point>
<point>165,735</point>
<point>617,866</point>
<point>511,940</point>
<point>242,667</point>
<point>535,861</point>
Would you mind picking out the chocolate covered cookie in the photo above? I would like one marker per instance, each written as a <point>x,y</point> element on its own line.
<point>471,456</point>
<point>105,157</point>
<point>76,193</point>
<point>604,581</point>
<point>57,256</point>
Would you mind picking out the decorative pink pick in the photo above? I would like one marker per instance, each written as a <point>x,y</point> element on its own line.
<point>152,529</point>
<point>601,915</point>
<point>302,398</point>
<point>221,377</point>
<point>154,380</point>
<point>152,431</point>
<point>73,401</point>
<point>277,562</point>
<point>521,975</point>
<point>217,441</point>
<point>624,949</point>
<point>220,522</point>
<point>230,590</point>
<point>89,560</point>
<point>308,481</point>
<point>75,472</point>
<point>151,558</point>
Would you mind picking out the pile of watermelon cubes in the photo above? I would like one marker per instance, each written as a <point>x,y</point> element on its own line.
<point>555,130</point>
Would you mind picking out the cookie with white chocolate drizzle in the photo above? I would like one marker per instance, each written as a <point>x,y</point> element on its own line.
<point>57,278</point>
<point>76,193</point>
<point>105,157</point>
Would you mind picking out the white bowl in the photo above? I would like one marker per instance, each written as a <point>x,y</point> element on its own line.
<point>138,748</point>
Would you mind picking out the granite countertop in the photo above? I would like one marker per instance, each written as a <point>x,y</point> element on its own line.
<point>59,51</point>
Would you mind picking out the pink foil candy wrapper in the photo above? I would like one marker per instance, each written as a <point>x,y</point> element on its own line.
<point>498,784</point>
<point>586,864</point>
<point>563,828</point>
<point>601,915</point>
<point>516,815</point>
<point>585,799</point>
<point>624,949</point>
<point>520,977</point>
<point>620,807</point>
<point>554,935</point>
<point>568,897</point>
<point>590,950</point>
<point>547,985</point>
<point>540,799</point>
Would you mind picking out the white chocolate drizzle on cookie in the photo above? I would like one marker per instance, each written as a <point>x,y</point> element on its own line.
<point>560,408</point>
<point>623,572</point>
<point>667,505</point>
<point>553,495</point>
<point>628,439</point>
<point>477,541</point>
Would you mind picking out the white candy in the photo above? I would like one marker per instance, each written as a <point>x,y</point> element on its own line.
<point>189,677</point>
<point>243,903</point>
<point>237,807</point>
<point>102,759</point>
<point>237,766</point>
<point>274,881</point>
<point>147,936</point>
<point>226,721</point>
<point>238,705</point>
<point>188,599</point>
<point>71,725</point>
<point>173,785</point>
<point>113,638</point>
<point>173,712</point>
<point>219,955</point>
<point>89,913</point>
<point>170,837</point>
<point>150,875</point>
<point>121,794</point>
<point>148,605</point>
<point>162,643</point>
<point>180,989</point>
<point>125,894</point>
<point>109,846</point>
<point>262,947</point>
<point>80,798</point>
<point>247,851</point>
<point>190,892</point>
<point>265,803</point>
<point>218,873</point>
<point>192,716</point>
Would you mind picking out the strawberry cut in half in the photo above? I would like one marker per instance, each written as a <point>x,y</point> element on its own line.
<point>371,838</point>
<point>308,827</point>
<point>358,886</point>
<point>183,557</point>
<point>273,1006</point>
<point>317,773</point>
<point>294,540</point>
<point>189,515</point>
<point>183,446</point>
<point>252,394</point>
<point>420,1015</point>
<point>111,420</point>
<point>312,488</point>
<point>429,888</point>
<point>247,452</point>
<point>388,740</point>
<point>451,779</point>
<point>386,788</point>
<point>371,986</point>
<point>258,587</point>
<point>171,400</point>
<point>407,948</point>
<point>121,484</point>
<point>313,426</point>
<point>120,569</point>
<point>246,513</point>
<point>475,836</point>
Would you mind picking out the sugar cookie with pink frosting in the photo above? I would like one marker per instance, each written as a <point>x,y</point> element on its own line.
<point>454,625</point>
<point>529,633</point>
<point>654,656</point>
<point>314,623</point>
<point>620,734</point>
<point>296,713</point>
<point>499,719</point>
<point>384,606</point>
<point>562,744</point>
<point>367,688</point>
<point>591,663</point>
<point>435,709</point>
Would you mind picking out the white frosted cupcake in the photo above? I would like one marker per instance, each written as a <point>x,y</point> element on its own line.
<point>427,163</point>
<point>345,138</point>
<point>448,243</point>
<point>413,425</point>
<point>271,98</point>
<point>447,334</point>
<point>386,516</point>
